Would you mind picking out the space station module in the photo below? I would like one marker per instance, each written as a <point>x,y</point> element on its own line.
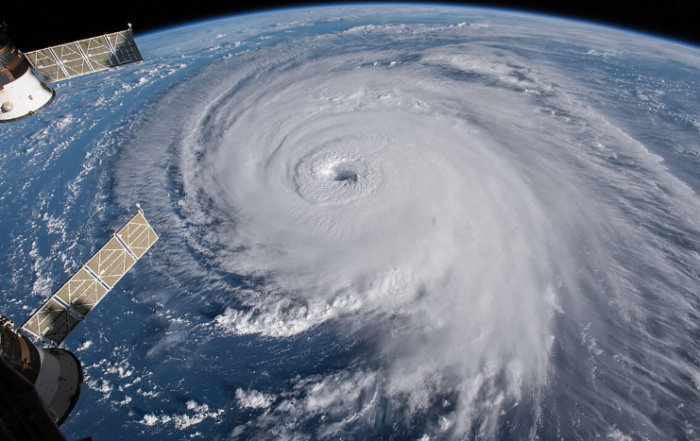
<point>40,386</point>
<point>24,76</point>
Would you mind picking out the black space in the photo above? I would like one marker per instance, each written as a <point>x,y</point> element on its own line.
<point>32,26</point>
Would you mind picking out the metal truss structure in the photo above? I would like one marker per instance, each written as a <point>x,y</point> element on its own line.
<point>82,57</point>
<point>66,308</point>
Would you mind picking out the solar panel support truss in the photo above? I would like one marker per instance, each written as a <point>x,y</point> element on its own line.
<point>82,57</point>
<point>68,306</point>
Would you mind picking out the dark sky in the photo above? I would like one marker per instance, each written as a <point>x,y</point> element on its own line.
<point>32,26</point>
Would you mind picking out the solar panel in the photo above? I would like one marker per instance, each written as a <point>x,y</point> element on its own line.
<point>68,306</point>
<point>111,262</point>
<point>137,235</point>
<point>81,292</point>
<point>52,322</point>
<point>82,57</point>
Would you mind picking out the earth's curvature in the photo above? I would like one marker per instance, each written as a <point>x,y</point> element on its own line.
<point>376,223</point>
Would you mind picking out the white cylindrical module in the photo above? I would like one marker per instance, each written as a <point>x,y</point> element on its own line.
<point>56,374</point>
<point>21,92</point>
<point>59,381</point>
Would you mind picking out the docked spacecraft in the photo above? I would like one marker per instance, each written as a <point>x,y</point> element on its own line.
<point>43,383</point>
<point>24,76</point>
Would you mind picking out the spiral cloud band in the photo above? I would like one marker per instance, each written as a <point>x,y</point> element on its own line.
<point>444,195</point>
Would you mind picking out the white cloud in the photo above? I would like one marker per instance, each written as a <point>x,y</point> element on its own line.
<point>195,415</point>
<point>253,399</point>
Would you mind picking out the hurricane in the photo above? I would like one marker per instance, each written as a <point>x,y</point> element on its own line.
<point>423,225</point>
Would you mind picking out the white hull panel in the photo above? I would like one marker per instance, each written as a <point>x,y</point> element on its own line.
<point>24,97</point>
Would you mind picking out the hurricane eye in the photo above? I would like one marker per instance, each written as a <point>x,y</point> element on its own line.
<point>344,174</point>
